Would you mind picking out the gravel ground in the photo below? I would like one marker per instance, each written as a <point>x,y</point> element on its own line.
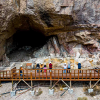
<point>78,92</point>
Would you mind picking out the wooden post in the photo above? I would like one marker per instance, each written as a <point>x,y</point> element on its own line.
<point>70,83</point>
<point>31,82</point>
<point>0,77</point>
<point>90,84</point>
<point>96,83</point>
<point>19,73</point>
<point>35,73</point>
<point>58,74</point>
<point>12,85</point>
<point>50,83</point>
<point>12,79</point>
<point>98,73</point>
<point>65,83</point>
<point>86,74</point>
<point>23,73</point>
<point>74,73</point>
<point>82,74</point>
<point>62,74</point>
<point>55,84</point>
<point>32,85</point>
<point>50,79</point>
<point>90,75</point>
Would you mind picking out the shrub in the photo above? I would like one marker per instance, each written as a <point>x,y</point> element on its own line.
<point>82,98</point>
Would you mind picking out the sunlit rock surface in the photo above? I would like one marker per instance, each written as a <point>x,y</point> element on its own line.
<point>76,23</point>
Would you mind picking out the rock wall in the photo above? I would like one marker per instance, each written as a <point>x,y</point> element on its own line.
<point>73,21</point>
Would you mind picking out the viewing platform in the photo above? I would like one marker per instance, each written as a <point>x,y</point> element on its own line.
<point>47,75</point>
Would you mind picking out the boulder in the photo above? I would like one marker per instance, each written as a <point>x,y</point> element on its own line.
<point>86,64</point>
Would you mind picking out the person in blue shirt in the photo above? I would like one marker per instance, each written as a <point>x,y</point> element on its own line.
<point>21,73</point>
<point>65,67</point>
<point>37,67</point>
<point>79,66</point>
<point>69,67</point>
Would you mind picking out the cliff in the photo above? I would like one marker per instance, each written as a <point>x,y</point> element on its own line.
<point>74,22</point>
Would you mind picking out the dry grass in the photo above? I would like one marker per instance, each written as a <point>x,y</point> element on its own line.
<point>39,92</point>
<point>96,91</point>
<point>82,98</point>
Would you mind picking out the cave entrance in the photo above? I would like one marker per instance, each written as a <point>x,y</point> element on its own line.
<point>27,39</point>
<point>30,37</point>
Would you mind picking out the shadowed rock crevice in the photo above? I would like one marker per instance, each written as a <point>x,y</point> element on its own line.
<point>45,17</point>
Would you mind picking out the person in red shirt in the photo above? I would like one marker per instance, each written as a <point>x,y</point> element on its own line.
<point>50,66</point>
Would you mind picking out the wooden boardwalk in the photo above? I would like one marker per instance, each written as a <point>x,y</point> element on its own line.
<point>55,74</point>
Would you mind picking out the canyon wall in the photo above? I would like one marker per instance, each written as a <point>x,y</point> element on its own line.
<point>76,23</point>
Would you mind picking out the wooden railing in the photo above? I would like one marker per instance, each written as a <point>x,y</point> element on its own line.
<point>47,74</point>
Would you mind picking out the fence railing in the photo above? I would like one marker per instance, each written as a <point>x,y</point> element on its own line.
<point>51,74</point>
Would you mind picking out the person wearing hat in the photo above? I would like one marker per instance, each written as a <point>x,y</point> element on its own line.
<point>50,66</point>
<point>37,67</point>
<point>69,67</point>
<point>21,73</point>
<point>45,68</point>
<point>79,66</point>
<point>65,67</point>
<point>41,66</point>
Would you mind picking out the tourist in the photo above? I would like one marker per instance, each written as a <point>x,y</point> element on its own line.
<point>50,66</point>
<point>37,67</point>
<point>65,67</point>
<point>45,68</point>
<point>79,66</point>
<point>69,67</point>
<point>21,73</point>
<point>41,66</point>
<point>34,65</point>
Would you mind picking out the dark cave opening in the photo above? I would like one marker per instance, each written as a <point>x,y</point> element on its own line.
<point>23,43</point>
<point>28,38</point>
<point>31,38</point>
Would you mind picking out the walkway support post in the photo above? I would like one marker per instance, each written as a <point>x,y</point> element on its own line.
<point>90,90</point>
<point>32,85</point>
<point>31,82</point>
<point>12,85</point>
<point>50,79</point>
<point>70,84</point>
<point>90,84</point>
<point>95,83</point>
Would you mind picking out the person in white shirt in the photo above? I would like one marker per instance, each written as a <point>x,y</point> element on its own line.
<point>65,67</point>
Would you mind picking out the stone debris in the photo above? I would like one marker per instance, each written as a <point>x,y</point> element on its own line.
<point>86,64</point>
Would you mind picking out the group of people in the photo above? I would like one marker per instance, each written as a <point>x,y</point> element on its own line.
<point>69,67</point>
<point>43,66</point>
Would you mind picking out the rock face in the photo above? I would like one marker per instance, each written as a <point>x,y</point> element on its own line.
<point>74,22</point>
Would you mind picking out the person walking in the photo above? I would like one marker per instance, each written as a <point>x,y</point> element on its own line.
<point>69,67</point>
<point>65,67</point>
<point>50,66</point>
